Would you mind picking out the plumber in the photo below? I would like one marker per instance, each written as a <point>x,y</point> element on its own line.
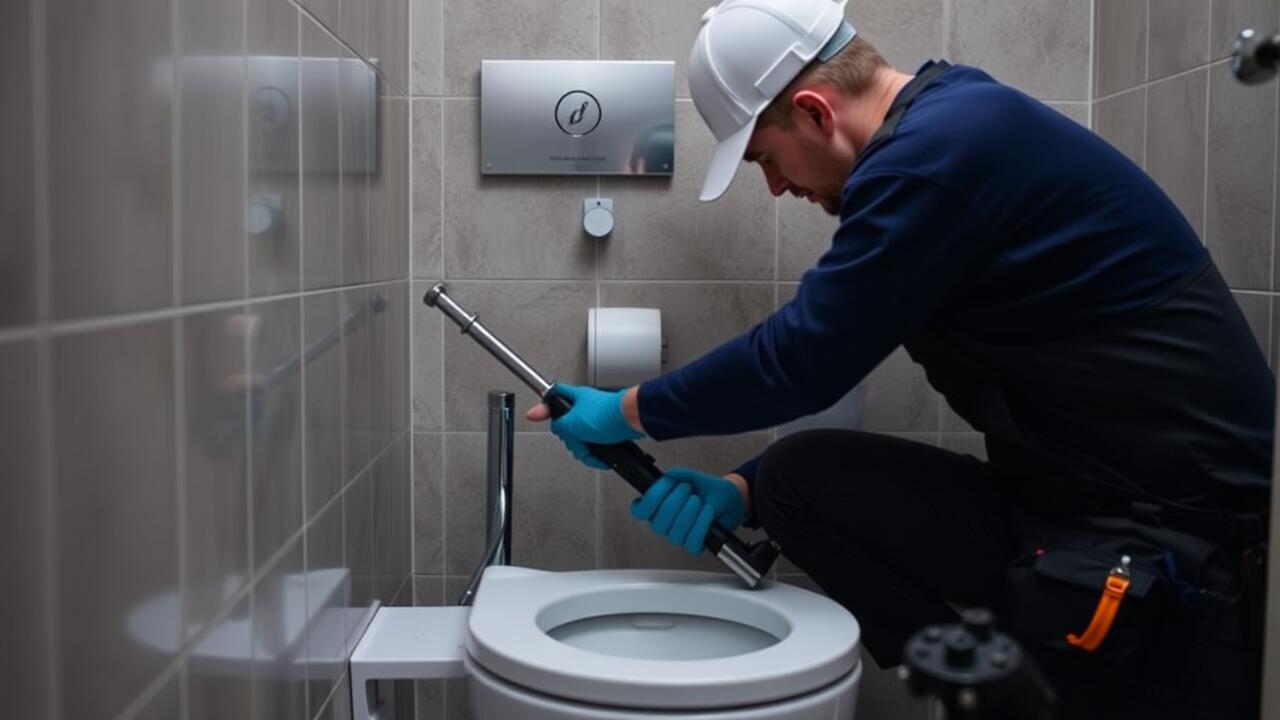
<point>1062,305</point>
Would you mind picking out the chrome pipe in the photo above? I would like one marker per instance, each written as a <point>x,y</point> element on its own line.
<point>498,492</point>
<point>438,298</point>
<point>502,424</point>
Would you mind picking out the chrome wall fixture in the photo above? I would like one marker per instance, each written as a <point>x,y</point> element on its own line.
<point>570,117</point>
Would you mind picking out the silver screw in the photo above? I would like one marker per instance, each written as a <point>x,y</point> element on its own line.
<point>967,699</point>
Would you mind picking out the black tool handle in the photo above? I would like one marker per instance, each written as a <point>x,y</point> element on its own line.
<point>640,471</point>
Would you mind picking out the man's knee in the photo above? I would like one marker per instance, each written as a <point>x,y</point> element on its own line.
<point>777,485</point>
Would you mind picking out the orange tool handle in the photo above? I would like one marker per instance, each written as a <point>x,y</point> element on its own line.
<point>1103,616</point>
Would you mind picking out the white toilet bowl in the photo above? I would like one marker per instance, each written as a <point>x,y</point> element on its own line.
<point>614,644</point>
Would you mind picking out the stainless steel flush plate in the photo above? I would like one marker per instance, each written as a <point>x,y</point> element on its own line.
<point>570,117</point>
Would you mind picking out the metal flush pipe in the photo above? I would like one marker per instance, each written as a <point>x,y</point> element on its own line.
<point>498,476</point>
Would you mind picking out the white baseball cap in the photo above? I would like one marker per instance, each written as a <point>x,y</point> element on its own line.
<point>746,53</point>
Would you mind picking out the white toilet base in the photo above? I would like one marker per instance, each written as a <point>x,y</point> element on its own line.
<point>495,699</point>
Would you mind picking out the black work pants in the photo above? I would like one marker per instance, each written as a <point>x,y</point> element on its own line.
<point>900,533</point>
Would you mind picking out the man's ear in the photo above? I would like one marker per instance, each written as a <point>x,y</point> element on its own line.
<point>812,106</point>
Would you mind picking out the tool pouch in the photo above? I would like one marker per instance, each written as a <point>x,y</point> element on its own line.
<point>1056,591</point>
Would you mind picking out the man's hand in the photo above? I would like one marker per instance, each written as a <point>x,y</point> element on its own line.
<point>682,505</point>
<point>597,417</point>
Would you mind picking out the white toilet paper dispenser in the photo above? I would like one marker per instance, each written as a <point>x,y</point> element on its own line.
<point>624,346</point>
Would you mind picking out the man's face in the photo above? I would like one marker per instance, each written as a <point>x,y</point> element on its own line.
<point>800,160</point>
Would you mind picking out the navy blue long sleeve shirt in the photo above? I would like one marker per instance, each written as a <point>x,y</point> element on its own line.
<point>986,208</point>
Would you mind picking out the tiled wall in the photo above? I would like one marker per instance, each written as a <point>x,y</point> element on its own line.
<point>513,251</point>
<point>1164,95</point>
<point>173,487</point>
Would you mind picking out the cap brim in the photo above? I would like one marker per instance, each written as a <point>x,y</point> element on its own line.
<point>725,160</point>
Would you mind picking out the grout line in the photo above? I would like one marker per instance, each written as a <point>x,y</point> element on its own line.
<point>40,163</point>
<point>1204,196</point>
<point>176,290</point>
<point>1093,51</point>
<point>1275,179</point>
<point>110,322</point>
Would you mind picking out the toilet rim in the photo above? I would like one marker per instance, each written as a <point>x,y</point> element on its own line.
<point>505,636</point>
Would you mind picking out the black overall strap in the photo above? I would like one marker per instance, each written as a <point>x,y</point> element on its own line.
<point>902,103</point>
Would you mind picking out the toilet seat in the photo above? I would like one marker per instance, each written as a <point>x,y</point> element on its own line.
<point>508,635</point>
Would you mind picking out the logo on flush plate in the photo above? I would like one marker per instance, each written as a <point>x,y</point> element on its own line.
<point>578,113</point>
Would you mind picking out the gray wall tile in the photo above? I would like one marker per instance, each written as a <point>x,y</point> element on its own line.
<point>214,695</point>
<point>429,700</point>
<point>696,317</point>
<point>339,705</point>
<point>326,11</point>
<point>166,704</point>
<point>428,504</point>
<point>1120,45</point>
<point>110,156</point>
<point>274,167</point>
<point>476,30</point>
<point>627,542</point>
<point>389,41</point>
<point>321,181</point>
<point>427,51</point>
<point>326,658</point>
<point>114,507</point>
<point>906,32</point>
<point>1049,60</point>
<point>279,693</point>
<point>428,591</point>
<point>491,223</point>
<point>545,322</point>
<point>1232,16</point>
<point>389,194</point>
<point>275,427</point>
<point>428,362</point>
<point>428,193</point>
<point>1257,310</point>
<point>1122,121</point>
<point>1242,146</point>
<point>805,231</point>
<point>322,402</point>
<point>357,150</point>
<point>380,375</point>
<point>1179,36</point>
<point>1176,135</point>
<point>662,230</point>
<point>215,473</point>
<point>357,537</point>
<point>357,384</point>
<point>353,24</point>
<point>554,504</point>
<point>393,553</point>
<point>17,179</point>
<point>655,30</point>
<point>899,398</point>
<point>25,607</point>
<point>212,118</point>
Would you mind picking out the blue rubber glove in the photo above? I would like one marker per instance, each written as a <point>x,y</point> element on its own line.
<point>683,503</point>
<point>596,418</point>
